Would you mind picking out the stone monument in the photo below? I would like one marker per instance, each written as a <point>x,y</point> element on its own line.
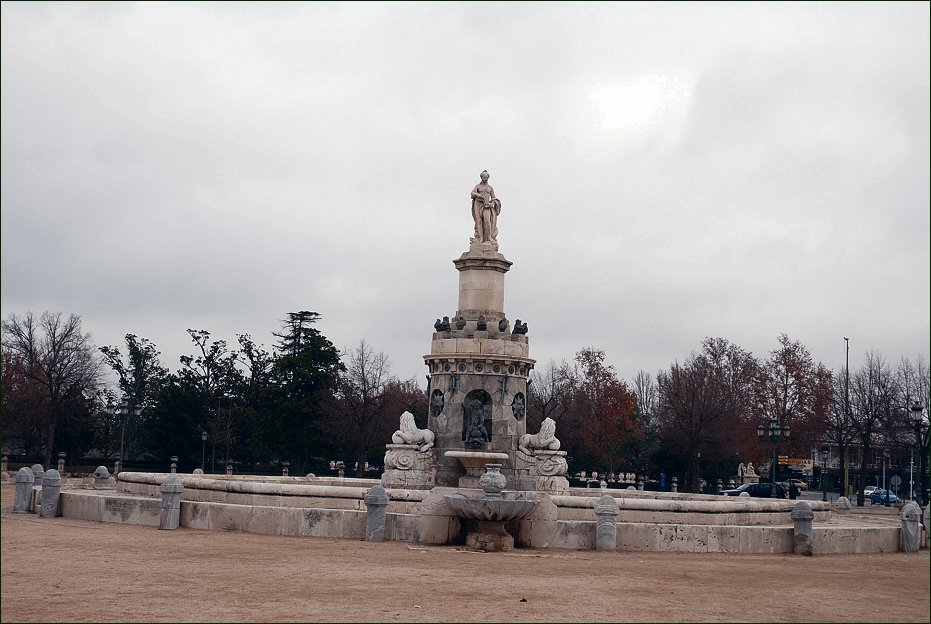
<point>477,386</point>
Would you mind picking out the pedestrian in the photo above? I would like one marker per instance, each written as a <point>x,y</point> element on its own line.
<point>793,490</point>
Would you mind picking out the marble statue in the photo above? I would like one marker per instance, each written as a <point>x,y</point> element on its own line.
<point>410,434</point>
<point>485,210</point>
<point>741,470</point>
<point>545,440</point>
<point>749,471</point>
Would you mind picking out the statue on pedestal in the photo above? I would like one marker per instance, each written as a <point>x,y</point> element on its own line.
<point>410,434</point>
<point>485,210</point>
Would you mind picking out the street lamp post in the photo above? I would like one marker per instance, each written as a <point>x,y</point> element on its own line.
<point>885,485</point>
<point>203,449</point>
<point>775,434</point>
<point>824,464</point>
<point>915,412</point>
<point>846,407</point>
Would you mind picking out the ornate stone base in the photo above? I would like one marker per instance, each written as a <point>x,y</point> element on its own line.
<point>489,536</point>
<point>408,468</point>
<point>544,471</point>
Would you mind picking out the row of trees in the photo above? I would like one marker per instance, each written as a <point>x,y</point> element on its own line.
<point>305,402</point>
<point>700,416</point>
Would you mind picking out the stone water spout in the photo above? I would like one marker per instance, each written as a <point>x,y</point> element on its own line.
<point>490,512</point>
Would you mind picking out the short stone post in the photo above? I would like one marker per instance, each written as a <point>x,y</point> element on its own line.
<point>229,469</point>
<point>174,464</point>
<point>603,484</point>
<point>719,487</point>
<point>640,484</point>
<point>606,527</point>
<point>842,506</point>
<point>744,495</point>
<point>101,475</point>
<point>24,480</point>
<point>116,467</point>
<point>910,533</point>
<point>674,486</point>
<point>927,526</point>
<point>170,516</point>
<point>284,468</point>
<point>3,463</point>
<point>198,472</point>
<point>376,513</point>
<point>37,472</point>
<point>61,462</point>
<point>802,518</point>
<point>51,492</point>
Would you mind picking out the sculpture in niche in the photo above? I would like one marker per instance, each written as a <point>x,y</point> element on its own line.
<point>485,210</point>
<point>518,406</point>
<point>437,402</point>
<point>410,434</point>
<point>544,441</point>
<point>476,418</point>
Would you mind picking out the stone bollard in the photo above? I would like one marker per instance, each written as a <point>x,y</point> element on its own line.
<point>640,484</point>
<point>173,467</point>
<point>37,472</point>
<point>51,493</point>
<point>603,484</point>
<point>674,486</point>
<point>101,475</point>
<point>376,513</point>
<point>802,517</point>
<point>170,516</point>
<point>842,506</point>
<point>927,526</point>
<point>116,467</point>
<point>198,472</point>
<point>606,528</point>
<point>744,495</point>
<point>284,471</point>
<point>61,463</point>
<point>719,487</point>
<point>3,463</point>
<point>229,470</point>
<point>23,494</point>
<point>910,533</point>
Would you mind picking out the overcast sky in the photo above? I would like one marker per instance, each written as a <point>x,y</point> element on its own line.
<point>667,172</point>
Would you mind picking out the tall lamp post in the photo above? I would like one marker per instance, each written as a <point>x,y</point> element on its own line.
<point>846,407</point>
<point>775,434</point>
<point>915,412</point>
<point>885,487</point>
<point>824,465</point>
<point>125,410</point>
<point>203,449</point>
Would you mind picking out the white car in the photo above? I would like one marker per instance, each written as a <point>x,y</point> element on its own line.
<point>869,490</point>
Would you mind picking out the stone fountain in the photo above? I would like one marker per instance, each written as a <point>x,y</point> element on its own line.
<point>488,515</point>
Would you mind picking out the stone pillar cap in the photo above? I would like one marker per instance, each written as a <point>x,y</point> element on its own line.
<point>25,475</point>
<point>802,511</point>
<point>172,485</point>
<point>606,505</point>
<point>51,477</point>
<point>376,496</point>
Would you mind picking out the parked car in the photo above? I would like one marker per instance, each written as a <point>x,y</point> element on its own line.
<point>759,490</point>
<point>878,497</point>
<point>868,490</point>
<point>801,485</point>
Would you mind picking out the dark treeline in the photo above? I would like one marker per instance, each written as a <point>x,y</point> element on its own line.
<point>304,402</point>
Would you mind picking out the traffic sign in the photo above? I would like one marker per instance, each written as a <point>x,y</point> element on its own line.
<point>895,481</point>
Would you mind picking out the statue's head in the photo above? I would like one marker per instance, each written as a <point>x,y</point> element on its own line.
<point>484,176</point>
<point>407,423</point>
<point>548,426</point>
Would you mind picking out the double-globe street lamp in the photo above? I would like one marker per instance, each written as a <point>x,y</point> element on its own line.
<point>916,411</point>
<point>124,410</point>
<point>776,434</point>
<point>824,464</point>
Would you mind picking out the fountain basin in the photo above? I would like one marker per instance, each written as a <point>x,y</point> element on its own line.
<point>487,517</point>
<point>490,509</point>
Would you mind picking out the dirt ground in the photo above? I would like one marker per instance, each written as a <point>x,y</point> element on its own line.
<point>70,571</point>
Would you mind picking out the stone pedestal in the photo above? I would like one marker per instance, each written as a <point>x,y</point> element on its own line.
<point>479,366</point>
<point>407,468</point>
<point>376,513</point>
<point>544,471</point>
<point>802,519</point>
<point>51,492</point>
<point>606,511</point>
<point>24,482</point>
<point>170,516</point>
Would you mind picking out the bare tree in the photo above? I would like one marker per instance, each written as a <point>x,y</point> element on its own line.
<point>58,357</point>
<point>550,393</point>
<point>363,393</point>
<point>873,389</point>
